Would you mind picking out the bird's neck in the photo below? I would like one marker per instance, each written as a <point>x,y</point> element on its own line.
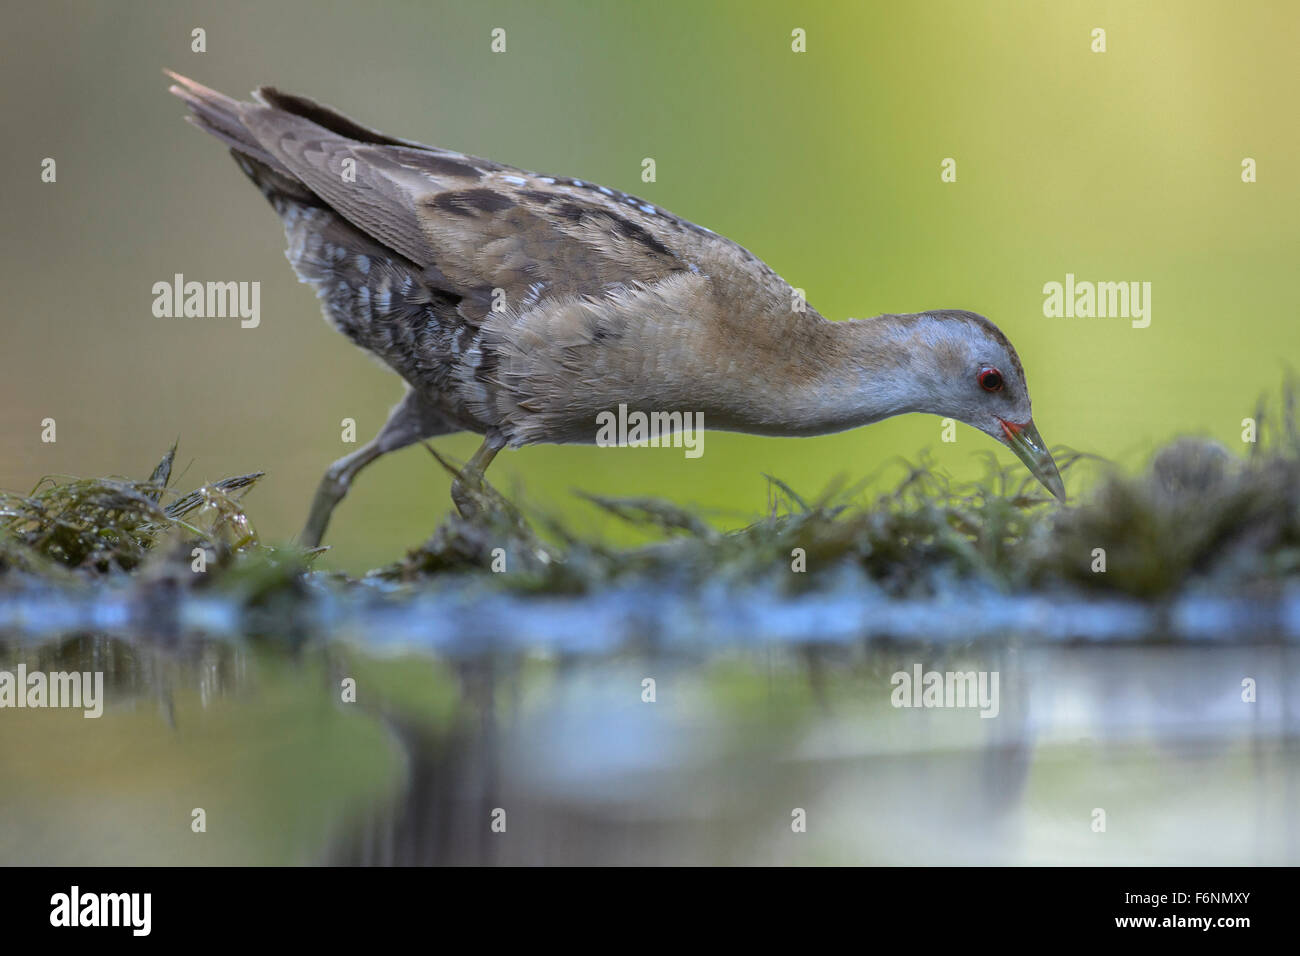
<point>843,375</point>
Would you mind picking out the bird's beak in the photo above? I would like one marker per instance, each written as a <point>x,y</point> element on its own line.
<point>1030,448</point>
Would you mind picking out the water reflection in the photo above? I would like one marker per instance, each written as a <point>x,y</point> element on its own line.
<point>573,763</point>
<point>1157,738</point>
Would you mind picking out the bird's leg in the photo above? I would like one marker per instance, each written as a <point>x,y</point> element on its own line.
<point>467,486</point>
<point>333,486</point>
<point>410,420</point>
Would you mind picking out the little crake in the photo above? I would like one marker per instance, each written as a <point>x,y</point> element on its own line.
<point>521,306</point>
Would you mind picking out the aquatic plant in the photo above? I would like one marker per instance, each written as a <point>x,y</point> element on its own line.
<point>1196,516</point>
<point>103,525</point>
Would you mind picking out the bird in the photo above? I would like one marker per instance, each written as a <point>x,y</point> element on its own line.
<point>521,306</point>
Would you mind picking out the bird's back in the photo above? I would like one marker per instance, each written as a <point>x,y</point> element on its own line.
<point>523,303</point>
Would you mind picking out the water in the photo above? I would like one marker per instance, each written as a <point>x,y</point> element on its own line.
<point>477,712</point>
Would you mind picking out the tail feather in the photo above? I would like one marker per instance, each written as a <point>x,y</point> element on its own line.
<point>327,118</point>
<point>222,116</point>
<point>219,115</point>
<point>379,298</point>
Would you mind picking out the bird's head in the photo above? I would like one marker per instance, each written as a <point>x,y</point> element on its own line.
<point>973,374</point>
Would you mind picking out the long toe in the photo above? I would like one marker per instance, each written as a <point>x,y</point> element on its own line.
<point>467,496</point>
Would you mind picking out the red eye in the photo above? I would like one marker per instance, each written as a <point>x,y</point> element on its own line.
<point>990,380</point>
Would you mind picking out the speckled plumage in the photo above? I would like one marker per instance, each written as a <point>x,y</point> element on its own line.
<point>521,306</point>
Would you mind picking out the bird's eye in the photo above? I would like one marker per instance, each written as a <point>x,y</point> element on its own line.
<point>990,380</point>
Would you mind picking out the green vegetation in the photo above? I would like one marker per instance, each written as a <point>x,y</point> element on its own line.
<point>1196,515</point>
<point>112,524</point>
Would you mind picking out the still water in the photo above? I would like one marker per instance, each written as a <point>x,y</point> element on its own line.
<point>407,735</point>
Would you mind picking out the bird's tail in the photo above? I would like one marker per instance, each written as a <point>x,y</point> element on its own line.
<point>222,116</point>
<point>219,115</point>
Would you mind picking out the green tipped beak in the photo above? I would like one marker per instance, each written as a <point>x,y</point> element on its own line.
<point>1032,450</point>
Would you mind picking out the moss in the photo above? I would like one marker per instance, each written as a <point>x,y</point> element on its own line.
<point>106,525</point>
<point>1195,516</point>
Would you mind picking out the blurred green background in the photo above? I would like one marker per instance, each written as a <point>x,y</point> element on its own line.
<point>1122,166</point>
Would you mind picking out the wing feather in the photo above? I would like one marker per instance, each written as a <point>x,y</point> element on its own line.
<point>476,226</point>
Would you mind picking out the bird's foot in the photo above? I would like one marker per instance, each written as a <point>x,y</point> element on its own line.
<point>473,497</point>
<point>470,496</point>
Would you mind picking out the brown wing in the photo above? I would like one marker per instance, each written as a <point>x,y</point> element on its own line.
<point>473,225</point>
